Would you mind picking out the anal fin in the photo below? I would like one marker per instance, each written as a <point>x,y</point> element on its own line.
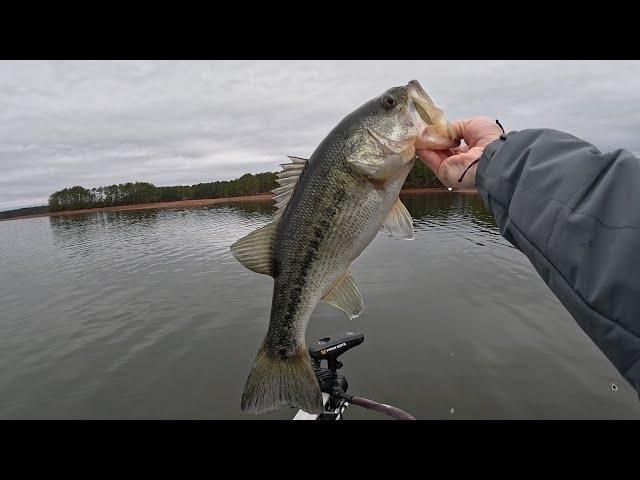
<point>345,295</point>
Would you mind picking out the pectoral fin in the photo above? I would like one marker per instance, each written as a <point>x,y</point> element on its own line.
<point>255,251</point>
<point>345,295</point>
<point>399,222</point>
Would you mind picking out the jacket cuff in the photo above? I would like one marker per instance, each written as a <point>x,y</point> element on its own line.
<point>486,183</point>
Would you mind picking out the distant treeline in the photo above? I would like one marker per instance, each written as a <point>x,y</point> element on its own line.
<point>421,176</point>
<point>78,197</point>
<point>22,212</point>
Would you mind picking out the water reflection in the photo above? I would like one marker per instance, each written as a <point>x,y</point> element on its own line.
<point>264,207</point>
<point>443,205</point>
<point>449,213</point>
<point>102,218</point>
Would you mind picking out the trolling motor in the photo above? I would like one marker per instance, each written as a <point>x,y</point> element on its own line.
<point>334,385</point>
<point>331,382</point>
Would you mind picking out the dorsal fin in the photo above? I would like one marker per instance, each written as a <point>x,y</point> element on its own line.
<point>288,179</point>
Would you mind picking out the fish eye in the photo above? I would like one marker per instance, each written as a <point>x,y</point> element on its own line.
<point>388,101</point>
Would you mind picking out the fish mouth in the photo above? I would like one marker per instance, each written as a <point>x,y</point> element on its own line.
<point>434,131</point>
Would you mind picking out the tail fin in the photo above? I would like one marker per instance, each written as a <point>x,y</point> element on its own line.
<point>275,382</point>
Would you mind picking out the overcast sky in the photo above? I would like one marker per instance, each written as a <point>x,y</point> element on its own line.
<point>95,123</point>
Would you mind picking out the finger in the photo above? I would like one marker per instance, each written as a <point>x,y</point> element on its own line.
<point>442,154</point>
<point>431,158</point>
<point>460,149</point>
<point>453,167</point>
<point>459,127</point>
<point>461,160</point>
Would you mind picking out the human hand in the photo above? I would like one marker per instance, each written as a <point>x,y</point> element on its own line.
<point>448,165</point>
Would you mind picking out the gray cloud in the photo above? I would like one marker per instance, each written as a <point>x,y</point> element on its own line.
<point>97,123</point>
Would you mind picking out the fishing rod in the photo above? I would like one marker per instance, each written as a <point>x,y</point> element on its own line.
<point>334,385</point>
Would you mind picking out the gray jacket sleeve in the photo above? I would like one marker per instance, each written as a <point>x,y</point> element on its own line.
<point>575,213</point>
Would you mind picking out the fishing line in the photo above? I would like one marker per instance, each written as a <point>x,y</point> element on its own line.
<point>476,161</point>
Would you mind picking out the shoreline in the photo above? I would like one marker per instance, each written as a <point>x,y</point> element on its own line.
<point>261,197</point>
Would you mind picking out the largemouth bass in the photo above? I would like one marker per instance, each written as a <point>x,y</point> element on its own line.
<point>330,207</point>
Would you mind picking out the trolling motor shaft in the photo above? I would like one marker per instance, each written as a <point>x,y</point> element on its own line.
<point>379,407</point>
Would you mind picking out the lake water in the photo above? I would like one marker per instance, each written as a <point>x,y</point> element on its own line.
<point>145,314</point>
